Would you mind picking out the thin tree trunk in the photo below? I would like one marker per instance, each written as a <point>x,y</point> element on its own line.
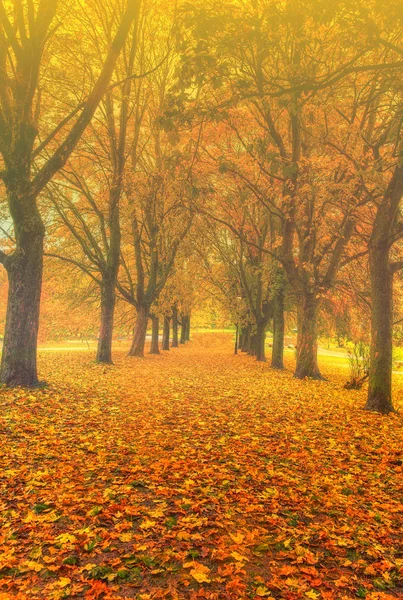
<point>240,338</point>
<point>108,299</point>
<point>154,335</point>
<point>260,341</point>
<point>165,333</point>
<point>175,343</point>
<point>236,339</point>
<point>188,328</point>
<point>252,344</point>
<point>183,329</point>
<point>307,340</point>
<point>380,373</point>
<point>277,356</point>
<point>140,331</point>
<point>24,269</point>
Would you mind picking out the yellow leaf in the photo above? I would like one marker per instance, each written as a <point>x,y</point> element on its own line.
<point>270,492</point>
<point>311,594</point>
<point>238,557</point>
<point>88,567</point>
<point>126,536</point>
<point>65,538</point>
<point>200,574</point>
<point>147,524</point>
<point>31,565</point>
<point>262,591</point>
<point>238,538</point>
<point>291,582</point>
<point>63,582</point>
<point>157,513</point>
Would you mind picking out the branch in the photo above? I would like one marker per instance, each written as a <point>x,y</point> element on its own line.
<point>9,31</point>
<point>353,257</point>
<point>396,266</point>
<point>4,259</point>
<point>62,154</point>
<point>74,262</point>
<point>240,235</point>
<point>73,113</point>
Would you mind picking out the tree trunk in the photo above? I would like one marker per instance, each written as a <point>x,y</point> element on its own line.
<point>380,372</point>
<point>188,328</point>
<point>236,339</point>
<point>154,335</point>
<point>140,331</point>
<point>165,333</point>
<point>252,344</point>
<point>245,339</point>
<point>108,298</point>
<point>183,329</point>
<point>307,340</point>
<point>260,341</point>
<point>24,268</point>
<point>240,338</point>
<point>175,343</point>
<point>277,356</point>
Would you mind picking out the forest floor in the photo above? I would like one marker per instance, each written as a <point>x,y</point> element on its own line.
<point>197,474</point>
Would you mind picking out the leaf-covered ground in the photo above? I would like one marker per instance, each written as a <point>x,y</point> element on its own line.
<point>197,474</point>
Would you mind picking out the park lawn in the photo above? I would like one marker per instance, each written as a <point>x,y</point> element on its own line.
<point>198,474</point>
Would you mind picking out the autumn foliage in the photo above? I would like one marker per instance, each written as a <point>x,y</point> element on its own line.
<point>197,475</point>
<point>170,166</point>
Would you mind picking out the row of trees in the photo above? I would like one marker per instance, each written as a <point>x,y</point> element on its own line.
<point>255,146</point>
<point>308,102</point>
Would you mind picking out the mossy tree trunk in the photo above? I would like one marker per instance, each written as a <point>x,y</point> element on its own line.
<point>24,268</point>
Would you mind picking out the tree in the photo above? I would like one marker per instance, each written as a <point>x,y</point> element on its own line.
<point>24,36</point>
<point>87,195</point>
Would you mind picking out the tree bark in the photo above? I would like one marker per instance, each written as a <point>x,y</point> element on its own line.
<point>108,299</point>
<point>24,269</point>
<point>277,356</point>
<point>155,331</point>
<point>175,343</point>
<point>380,372</point>
<point>245,339</point>
<point>307,340</point>
<point>252,344</point>
<point>183,329</point>
<point>260,341</point>
<point>165,333</point>
<point>140,331</point>
<point>188,329</point>
<point>241,338</point>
